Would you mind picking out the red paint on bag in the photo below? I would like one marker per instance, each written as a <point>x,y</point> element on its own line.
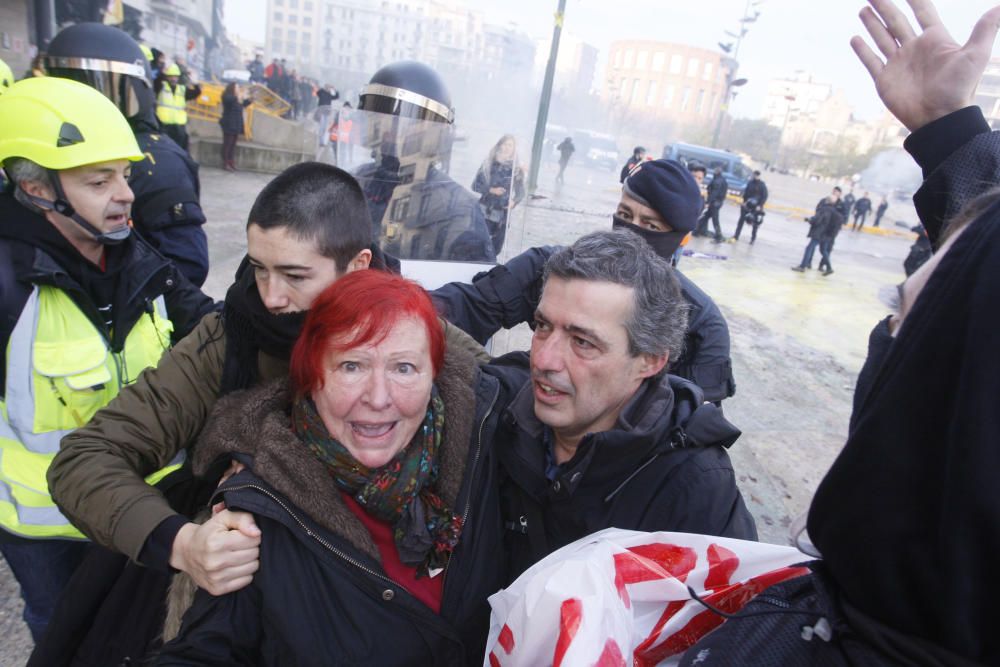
<point>494,660</point>
<point>611,656</point>
<point>722,564</point>
<point>506,639</point>
<point>570,615</point>
<point>729,599</point>
<point>648,562</point>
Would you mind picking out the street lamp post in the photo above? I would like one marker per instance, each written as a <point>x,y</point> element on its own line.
<point>733,64</point>
<point>543,104</point>
<point>784,123</point>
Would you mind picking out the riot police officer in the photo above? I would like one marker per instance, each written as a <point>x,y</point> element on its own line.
<point>166,211</point>
<point>418,212</point>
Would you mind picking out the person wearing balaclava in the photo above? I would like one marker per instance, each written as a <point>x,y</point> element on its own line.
<point>906,519</point>
<point>660,202</point>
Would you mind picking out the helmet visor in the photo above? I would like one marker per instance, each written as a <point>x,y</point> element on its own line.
<point>403,103</point>
<point>122,83</point>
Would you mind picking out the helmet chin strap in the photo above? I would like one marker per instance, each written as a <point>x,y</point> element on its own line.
<point>62,206</point>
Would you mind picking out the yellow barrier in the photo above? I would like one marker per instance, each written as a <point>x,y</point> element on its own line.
<point>208,105</point>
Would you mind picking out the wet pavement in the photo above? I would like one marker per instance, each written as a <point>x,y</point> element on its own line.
<point>798,339</point>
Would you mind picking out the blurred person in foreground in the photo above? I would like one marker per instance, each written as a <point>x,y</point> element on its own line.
<point>85,307</point>
<point>167,210</point>
<point>371,475</point>
<point>500,184</point>
<point>905,519</point>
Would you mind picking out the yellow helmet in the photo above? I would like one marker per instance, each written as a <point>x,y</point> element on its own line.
<point>60,124</point>
<point>173,70</point>
<point>6,77</point>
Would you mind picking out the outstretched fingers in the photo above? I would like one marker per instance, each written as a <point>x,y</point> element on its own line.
<point>885,42</point>
<point>925,13</point>
<point>897,23</point>
<point>868,58</point>
<point>984,33</point>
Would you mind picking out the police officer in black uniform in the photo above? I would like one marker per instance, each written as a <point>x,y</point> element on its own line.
<point>166,211</point>
<point>418,212</point>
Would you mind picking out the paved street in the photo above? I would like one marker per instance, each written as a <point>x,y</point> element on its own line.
<point>798,339</point>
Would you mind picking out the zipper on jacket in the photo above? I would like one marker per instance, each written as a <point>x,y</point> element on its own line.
<point>475,468</point>
<point>312,534</point>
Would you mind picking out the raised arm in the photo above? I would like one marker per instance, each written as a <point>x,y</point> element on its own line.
<point>928,81</point>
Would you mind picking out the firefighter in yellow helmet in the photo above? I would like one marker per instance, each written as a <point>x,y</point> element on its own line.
<point>85,306</point>
<point>173,89</point>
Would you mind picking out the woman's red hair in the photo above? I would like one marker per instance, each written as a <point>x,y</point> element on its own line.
<point>367,304</point>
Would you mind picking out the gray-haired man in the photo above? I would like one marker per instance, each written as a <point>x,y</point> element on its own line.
<point>595,434</point>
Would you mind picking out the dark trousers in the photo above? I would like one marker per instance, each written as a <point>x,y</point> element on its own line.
<point>42,568</point>
<point>825,249</point>
<point>807,256</point>
<point>747,216</point>
<point>859,216</point>
<point>878,218</point>
<point>229,149</point>
<point>712,212</point>
<point>178,133</point>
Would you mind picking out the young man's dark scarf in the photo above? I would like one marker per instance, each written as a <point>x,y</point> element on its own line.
<point>250,328</point>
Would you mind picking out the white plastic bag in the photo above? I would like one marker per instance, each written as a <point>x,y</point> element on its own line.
<point>620,597</point>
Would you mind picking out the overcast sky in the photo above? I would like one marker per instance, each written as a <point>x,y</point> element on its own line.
<point>789,35</point>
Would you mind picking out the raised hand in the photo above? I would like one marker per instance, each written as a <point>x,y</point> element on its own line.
<point>925,76</point>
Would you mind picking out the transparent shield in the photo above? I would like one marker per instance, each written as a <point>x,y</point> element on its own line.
<point>418,211</point>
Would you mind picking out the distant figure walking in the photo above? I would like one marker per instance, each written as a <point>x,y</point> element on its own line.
<point>823,229</point>
<point>232,123</point>
<point>566,150</point>
<point>752,210</point>
<point>880,211</point>
<point>499,176</point>
<point>861,209</point>
<point>638,155</point>
<point>716,192</point>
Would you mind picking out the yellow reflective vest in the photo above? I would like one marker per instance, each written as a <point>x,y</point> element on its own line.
<point>171,107</point>
<point>60,371</point>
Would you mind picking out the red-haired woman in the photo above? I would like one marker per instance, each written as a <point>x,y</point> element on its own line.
<point>372,481</point>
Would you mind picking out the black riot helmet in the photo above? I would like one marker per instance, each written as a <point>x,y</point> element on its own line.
<point>408,89</point>
<point>108,59</point>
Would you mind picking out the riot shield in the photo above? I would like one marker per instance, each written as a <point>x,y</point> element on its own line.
<point>419,213</point>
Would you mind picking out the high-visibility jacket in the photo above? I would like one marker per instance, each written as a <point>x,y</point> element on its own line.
<point>60,371</point>
<point>341,130</point>
<point>171,106</point>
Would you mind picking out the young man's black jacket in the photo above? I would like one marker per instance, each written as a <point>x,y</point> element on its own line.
<point>508,294</point>
<point>755,189</point>
<point>663,467</point>
<point>717,190</point>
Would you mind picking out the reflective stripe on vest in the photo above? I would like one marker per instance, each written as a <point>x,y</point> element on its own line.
<point>171,107</point>
<point>60,372</point>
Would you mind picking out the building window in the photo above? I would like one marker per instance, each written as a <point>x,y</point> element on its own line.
<point>278,17</point>
<point>659,59</point>
<point>305,51</point>
<point>293,19</point>
<point>622,88</point>
<point>293,36</point>
<point>276,45</point>
<point>629,57</point>
<point>651,90</point>
<point>634,97</point>
<point>618,58</point>
<point>294,4</point>
<point>693,66</point>
<point>276,33</point>
<point>668,97</point>
<point>701,101</point>
<point>640,62</point>
<point>707,75</point>
<point>675,63</point>
<point>685,99</point>
<point>307,6</point>
<point>307,20</point>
